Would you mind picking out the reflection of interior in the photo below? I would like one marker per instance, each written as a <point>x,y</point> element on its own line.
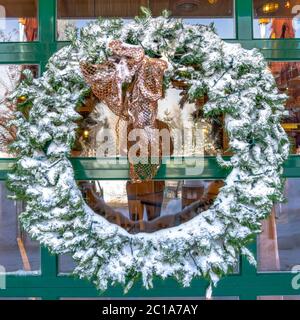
<point>128,8</point>
<point>194,8</point>
<point>279,242</point>
<point>277,19</point>
<point>100,8</point>
<point>20,8</point>
<point>97,120</point>
<point>17,251</point>
<point>287,76</point>
<point>268,245</point>
<point>157,205</point>
<point>76,13</point>
<point>26,12</point>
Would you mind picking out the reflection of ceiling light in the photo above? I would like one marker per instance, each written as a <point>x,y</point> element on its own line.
<point>86,134</point>
<point>187,5</point>
<point>264,21</point>
<point>270,7</point>
<point>287,4</point>
<point>212,1</point>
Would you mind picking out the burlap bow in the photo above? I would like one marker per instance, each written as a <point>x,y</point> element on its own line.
<point>130,84</point>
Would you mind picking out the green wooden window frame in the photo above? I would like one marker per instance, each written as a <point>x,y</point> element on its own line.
<point>48,284</point>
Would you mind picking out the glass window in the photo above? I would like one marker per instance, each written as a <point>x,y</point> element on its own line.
<point>278,19</point>
<point>184,131</point>
<point>147,206</point>
<point>279,243</point>
<point>18,20</point>
<point>150,206</point>
<point>18,253</point>
<point>101,128</point>
<point>218,12</point>
<point>78,13</point>
<point>287,76</point>
<point>10,77</point>
<point>66,264</point>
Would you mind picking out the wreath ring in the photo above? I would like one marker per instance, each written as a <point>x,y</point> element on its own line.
<point>238,86</point>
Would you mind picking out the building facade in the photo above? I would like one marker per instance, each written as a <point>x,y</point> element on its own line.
<point>32,30</point>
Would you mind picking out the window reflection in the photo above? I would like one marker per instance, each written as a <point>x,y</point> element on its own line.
<point>146,207</point>
<point>17,251</point>
<point>150,206</point>
<point>279,243</point>
<point>276,19</point>
<point>66,264</point>
<point>102,133</point>
<point>18,20</point>
<point>78,13</point>
<point>287,76</point>
<point>218,12</point>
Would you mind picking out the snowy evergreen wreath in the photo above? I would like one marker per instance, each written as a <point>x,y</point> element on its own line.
<point>238,85</point>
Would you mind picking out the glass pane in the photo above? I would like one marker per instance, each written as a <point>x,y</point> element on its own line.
<point>184,131</point>
<point>78,13</point>
<point>150,206</point>
<point>287,76</point>
<point>18,20</point>
<point>17,252</point>
<point>218,12</point>
<point>10,76</point>
<point>276,19</point>
<point>146,206</point>
<point>279,243</point>
<point>65,264</point>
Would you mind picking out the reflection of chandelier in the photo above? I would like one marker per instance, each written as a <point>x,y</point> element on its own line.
<point>287,4</point>
<point>191,5</point>
<point>264,21</point>
<point>270,7</point>
<point>187,5</point>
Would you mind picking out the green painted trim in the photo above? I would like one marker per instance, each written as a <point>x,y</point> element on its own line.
<point>245,284</point>
<point>47,21</point>
<point>244,19</point>
<point>49,264</point>
<point>99,169</point>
